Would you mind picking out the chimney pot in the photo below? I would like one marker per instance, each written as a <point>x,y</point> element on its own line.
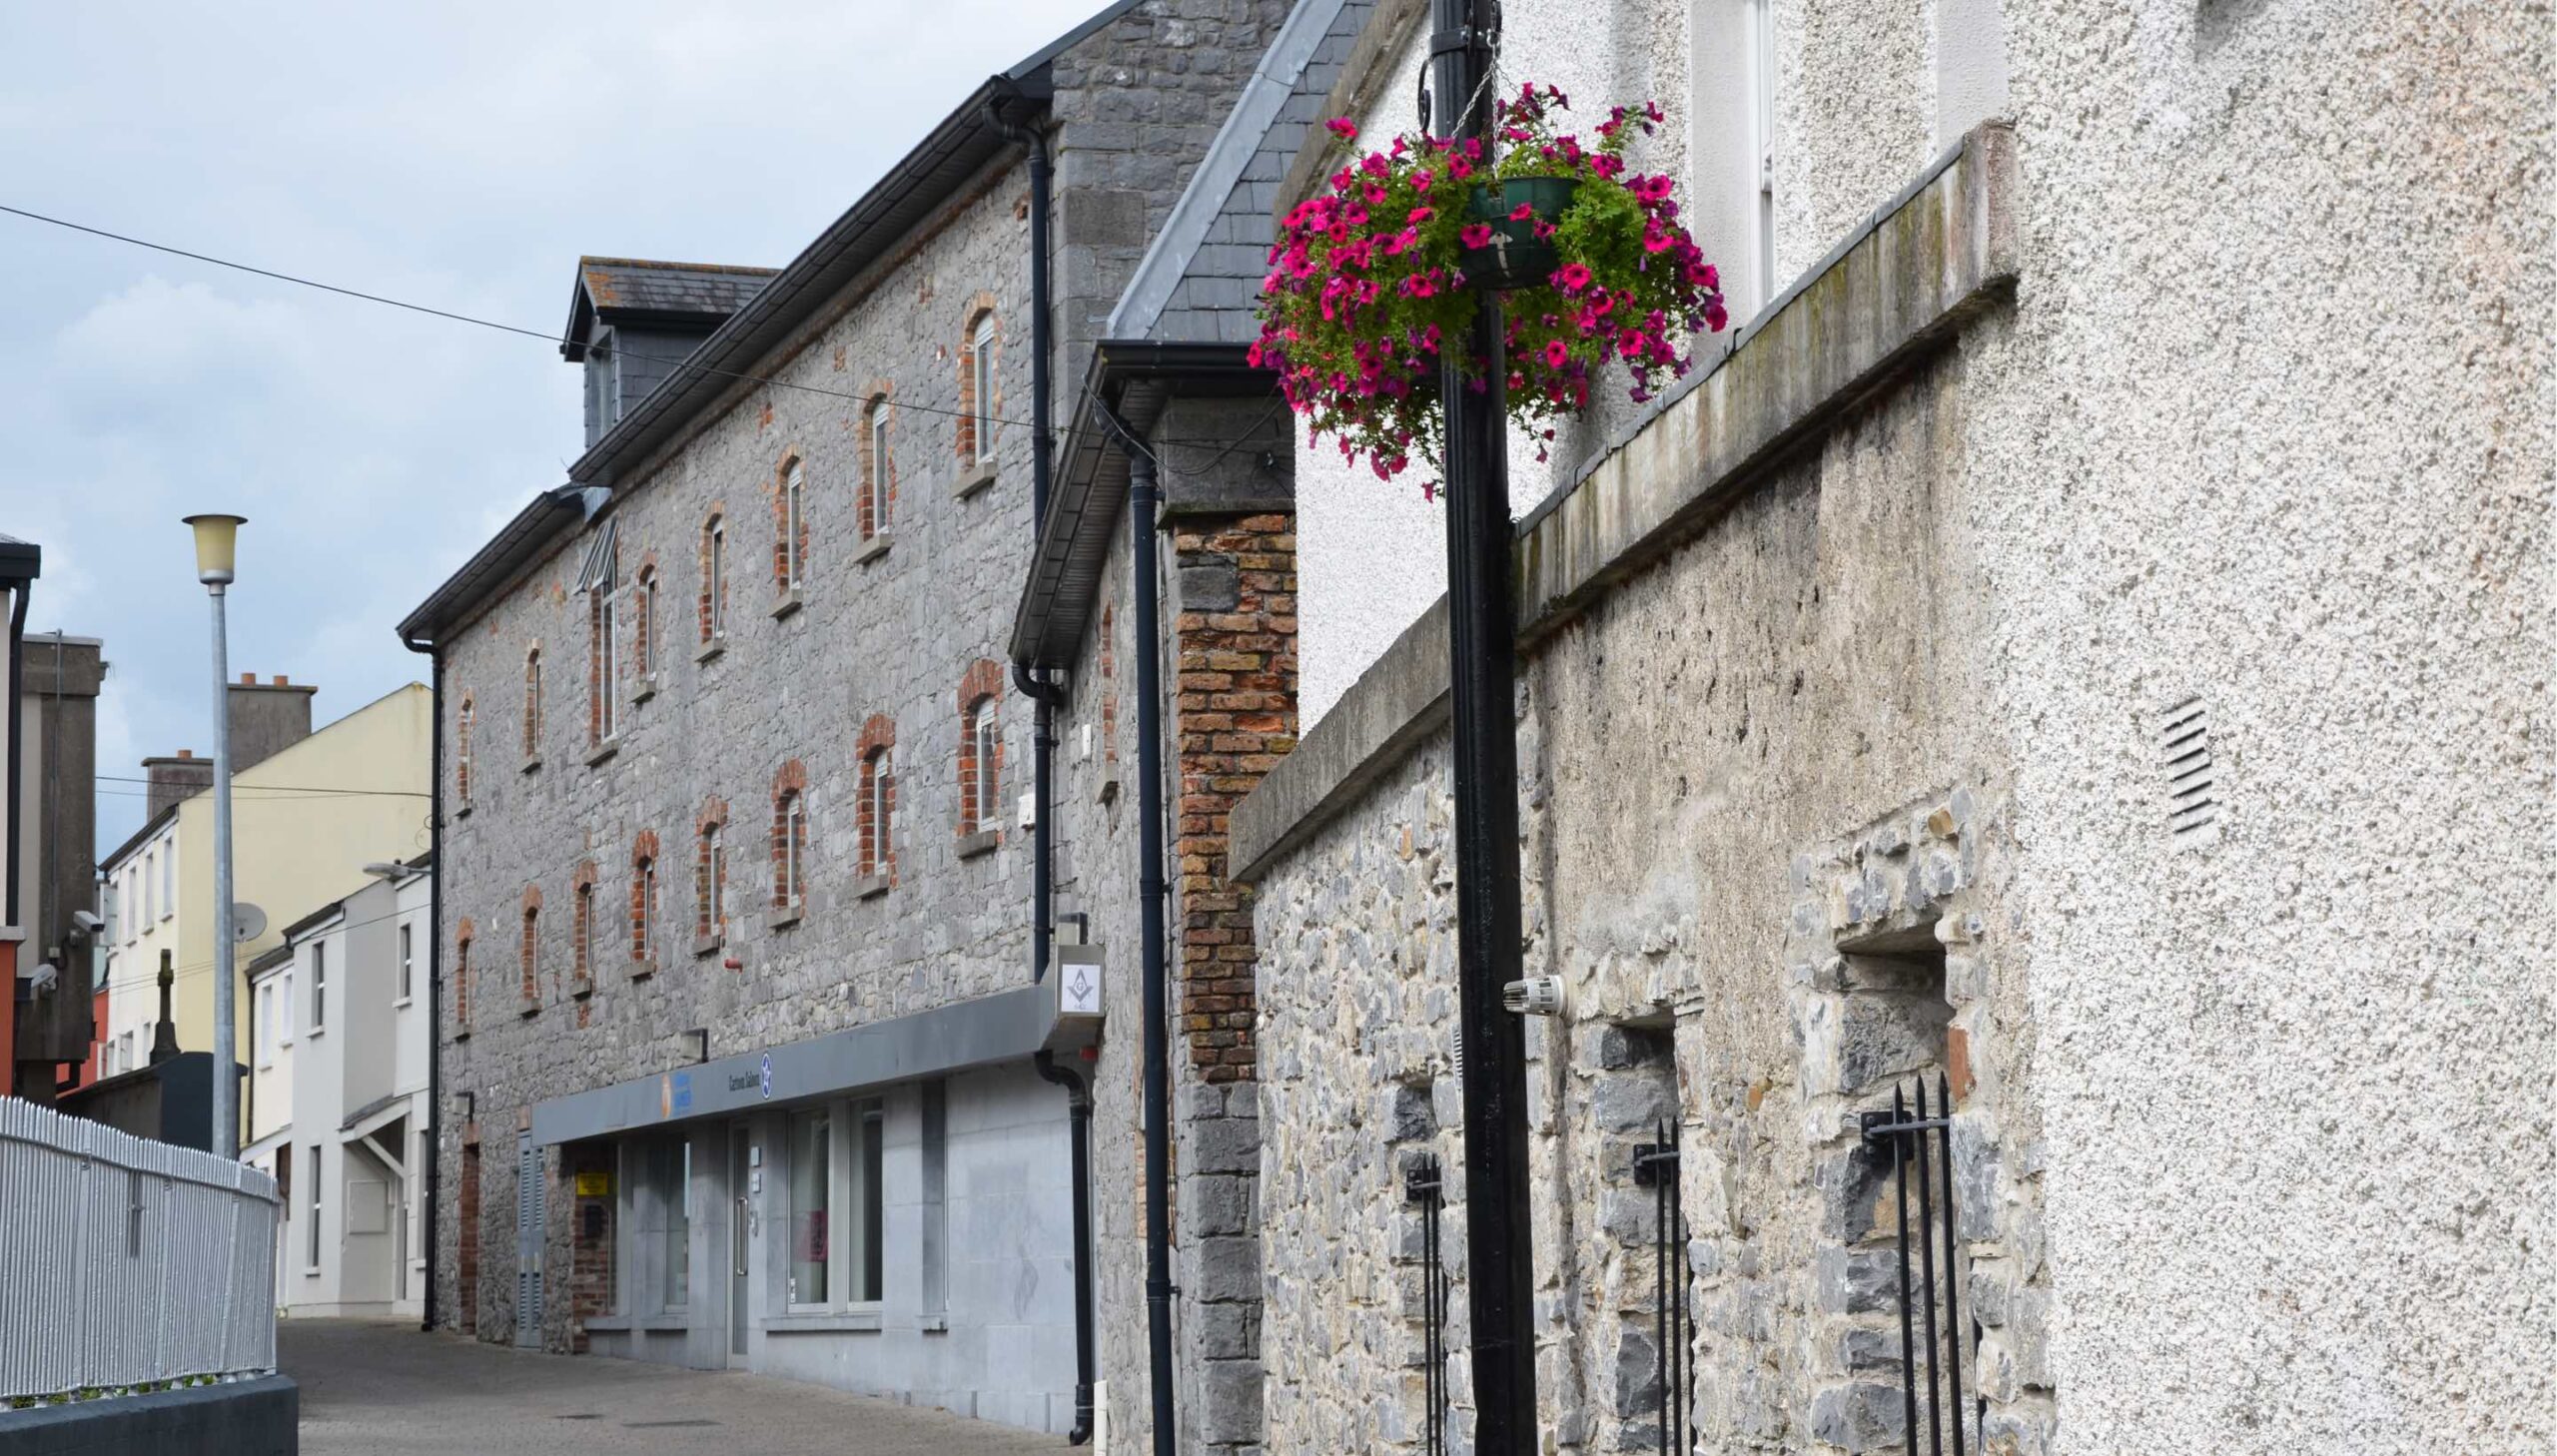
<point>248,679</point>
<point>283,681</point>
<point>186,753</point>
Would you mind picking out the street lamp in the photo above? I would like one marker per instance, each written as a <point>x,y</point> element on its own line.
<point>217,539</point>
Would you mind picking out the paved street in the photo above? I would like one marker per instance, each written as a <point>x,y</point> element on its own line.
<point>371,1389</point>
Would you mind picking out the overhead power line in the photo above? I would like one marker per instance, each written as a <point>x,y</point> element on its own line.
<point>544,336</point>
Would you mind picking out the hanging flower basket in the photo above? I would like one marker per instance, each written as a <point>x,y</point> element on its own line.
<point>1518,210</point>
<point>1372,283</point>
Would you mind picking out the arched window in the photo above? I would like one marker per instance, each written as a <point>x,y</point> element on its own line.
<point>710,874</point>
<point>714,578</point>
<point>604,643</point>
<point>789,851</point>
<point>582,925</point>
<point>977,383</point>
<point>461,936</point>
<point>790,552</point>
<point>531,991</point>
<point>532,704</point>
<point>644,624</point>
<point>878,468</point>
<point>462,751</point>
<point>644,905</point>
<point>878,812</point>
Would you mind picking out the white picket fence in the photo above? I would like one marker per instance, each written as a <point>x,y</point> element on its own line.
<point>124,1260</point>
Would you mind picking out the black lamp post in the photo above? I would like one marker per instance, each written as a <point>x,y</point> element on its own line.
<point>1482,628</point>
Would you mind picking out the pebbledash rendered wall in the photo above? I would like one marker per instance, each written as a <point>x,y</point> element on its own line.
<point>2246,1110</point>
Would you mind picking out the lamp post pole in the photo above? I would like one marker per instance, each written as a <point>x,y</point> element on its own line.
<point>215,537</point>
<point>1482,643</point>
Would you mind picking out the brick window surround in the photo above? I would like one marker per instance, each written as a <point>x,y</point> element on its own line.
<point>790,524</point>
<point>979,354</point>
<point>462,932</point>
<point>980,747</point>
<point>875,818</point>
<point>713,602</point>
<point>583,927</point>
<point>467,715</point>
<point>644,894</point>
<point>530,994</point>
<point>532,702</point>
<point>710,870</point>
<point>790,836</point>
<point>874,440</point>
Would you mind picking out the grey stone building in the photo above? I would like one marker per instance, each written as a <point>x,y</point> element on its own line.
<point>2080,637</point>
<point>1167,385</point>
<point>742,1049</point>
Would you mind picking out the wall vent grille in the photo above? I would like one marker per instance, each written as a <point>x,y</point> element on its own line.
<point>2193,777</point>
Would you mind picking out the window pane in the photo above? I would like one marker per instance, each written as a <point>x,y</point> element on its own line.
<point>810,1179</point>
<point>871,1203</point>
<point>673,1179</point>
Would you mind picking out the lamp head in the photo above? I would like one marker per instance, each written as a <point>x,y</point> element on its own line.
<point>217,537</point>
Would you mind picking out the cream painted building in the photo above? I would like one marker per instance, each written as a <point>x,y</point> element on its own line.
<point>307,817</point>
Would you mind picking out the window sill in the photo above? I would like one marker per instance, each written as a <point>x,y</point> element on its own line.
<point>873,548</point>
<point>788,605</point>
<point>852,1321</point>
<point>581,988</point>
<point>402,1003</point>
<point>533,763</point>
<point>462,809</point>
<point>972,480</point>
<point>460,1037</point>
<point>709,652</point>
<point>1109,790</point>
<point>528,1008</point>
<point>628,1323</point>
<point>707,945</point>
<point>869,886</point>
<point>313,1035</point>
<point>603,753</point>
<point>647,689</point>
<point>781,916</point>
<point>641,970</point>
<point>934,1324</point>
<point>982,842</point>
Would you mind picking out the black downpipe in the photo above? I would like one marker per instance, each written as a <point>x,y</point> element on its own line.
<point>1079,1109</point>
<point>435,976</point>
<point>1142,498</point>
<point>17,695</point>
<point>1482,649</point>
<point>1046,698</point>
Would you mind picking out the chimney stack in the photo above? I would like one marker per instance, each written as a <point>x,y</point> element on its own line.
<point>266,719</point>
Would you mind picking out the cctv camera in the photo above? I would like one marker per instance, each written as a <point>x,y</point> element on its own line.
<point>85,923</point>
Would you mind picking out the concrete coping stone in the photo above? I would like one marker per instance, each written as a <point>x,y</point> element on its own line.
<point>1941,253</point>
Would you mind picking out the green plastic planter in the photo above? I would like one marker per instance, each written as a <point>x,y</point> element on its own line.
<point>1516,258</point>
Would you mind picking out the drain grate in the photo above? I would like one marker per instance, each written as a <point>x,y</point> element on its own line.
<point>2192,778</point>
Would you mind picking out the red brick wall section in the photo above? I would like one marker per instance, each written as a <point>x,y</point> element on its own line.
<point>1237,704</point>
<point>790,786</point>
<point>1109,684</point>
<point>462,932</point>
<point>530,998</point>
<point>590,1237</point>
<point>709,890</point>
<point>877,753</point>
<point>979,693</point>
<point>643,857</point>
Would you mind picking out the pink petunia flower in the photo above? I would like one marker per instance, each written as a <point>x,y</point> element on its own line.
<point>1558,353</point>
<point>1574,276</point>
<point>1341,126</point>
<point>1476,234</point>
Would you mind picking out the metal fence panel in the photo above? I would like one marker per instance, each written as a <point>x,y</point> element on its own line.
<point>130,1260</point>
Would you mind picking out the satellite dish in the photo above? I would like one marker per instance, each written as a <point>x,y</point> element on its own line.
<point>248,921</point>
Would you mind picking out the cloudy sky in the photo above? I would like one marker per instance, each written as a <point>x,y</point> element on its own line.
<point>460,154</point>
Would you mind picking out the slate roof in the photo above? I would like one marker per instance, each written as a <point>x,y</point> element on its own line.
<point>640,290</point>
<point>1200,278</point>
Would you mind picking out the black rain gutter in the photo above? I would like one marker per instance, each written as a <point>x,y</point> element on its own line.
<point>545,520</point>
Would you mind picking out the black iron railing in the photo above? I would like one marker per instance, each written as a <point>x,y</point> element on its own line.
<point>1918,1145</point>
<point>1673,1326</point>
<point>1423,1187</point>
